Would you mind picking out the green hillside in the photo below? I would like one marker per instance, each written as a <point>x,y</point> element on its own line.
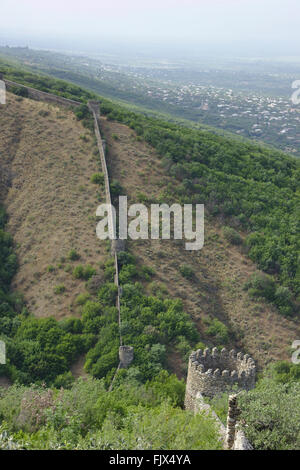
<point>252,191</point>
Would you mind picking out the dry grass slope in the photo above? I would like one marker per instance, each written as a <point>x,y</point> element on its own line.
<point>48,157</point>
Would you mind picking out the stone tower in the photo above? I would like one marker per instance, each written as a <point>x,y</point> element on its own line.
<point>125,356</point>
<point>212,372</point>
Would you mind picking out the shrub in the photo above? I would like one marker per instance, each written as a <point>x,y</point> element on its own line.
<point>183,346</point>
<point>127,273</point>
<point>131,416</point>
<point>81,299</point>
<point>105,364</point>
<point>125,258</point>
<point>115,189</point>
<point>20,91</point>
<point>73,255</point>
<point>97,178</point>
<point>65,380</point>
<point>50,269</point>
<point>261,285</point>
<point>271,414</point>
<point>187,271</point>
<point>60,289</point>
<point>285,372</point>
<point>218,330</point>
<point>232,236</point>
<point>83,272</point>
<point>283,300</point>
<point>42,350</point>
<point>72,325</point>
<point>158,289</point>
<point>82,112</point>
<point>108,294</point>
<point>142,198</point>
<point>147,272</point>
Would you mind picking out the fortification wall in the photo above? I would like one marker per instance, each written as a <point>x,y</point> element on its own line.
<point>42,95</point>
<point>212,373</point>
<point>125,352</point>
<point>94,108</point>
<point>232,437</point>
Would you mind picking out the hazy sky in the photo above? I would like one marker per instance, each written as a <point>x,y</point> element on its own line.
<point>257,24</point>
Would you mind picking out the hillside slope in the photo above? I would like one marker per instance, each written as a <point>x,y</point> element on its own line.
<point>221,269</point>
<point>47,159</point>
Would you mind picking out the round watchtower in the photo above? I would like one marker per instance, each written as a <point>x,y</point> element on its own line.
<point>212,373</point>
<point>125,356</point>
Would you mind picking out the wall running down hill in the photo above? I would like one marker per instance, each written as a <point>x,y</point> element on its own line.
<point>125,352</point>
<point>42,95</point>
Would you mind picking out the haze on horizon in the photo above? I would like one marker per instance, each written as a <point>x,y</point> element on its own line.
<point>222,27</point>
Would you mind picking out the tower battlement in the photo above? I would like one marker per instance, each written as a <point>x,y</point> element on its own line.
<point>211,373</point>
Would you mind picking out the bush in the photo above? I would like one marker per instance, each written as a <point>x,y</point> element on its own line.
<point>50,269</point>
<point>108,294</point>
<point>83,272</point>
<point>115,189</point>
<point>184,347</point>
<point>147,272</point>
<point>82,112</point>
<point>41,350</point>
<point>158,289</point>
<point>65,380</point>
<point>271,414</point>
<point>284,372</point>
<point>97,178</point>
<point>219,331</point>
<point>85,416</point>
<point>232,236</point>
<point>73,255</point>
<point>125,258</point>
<point>20,91</point>
<point>81,299</point>
<point>60,289</point>
<point>261,285</point>
<point>44,113</point>
<point>187,271</point>
<point>283,300</point>
<point>72,325</point>
<point>127,273</point>
<point>142,198</point>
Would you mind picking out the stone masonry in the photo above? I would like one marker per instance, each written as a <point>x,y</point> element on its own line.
<point>212,373</point>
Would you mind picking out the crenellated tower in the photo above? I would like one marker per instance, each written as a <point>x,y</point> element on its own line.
<point>212,372</point>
